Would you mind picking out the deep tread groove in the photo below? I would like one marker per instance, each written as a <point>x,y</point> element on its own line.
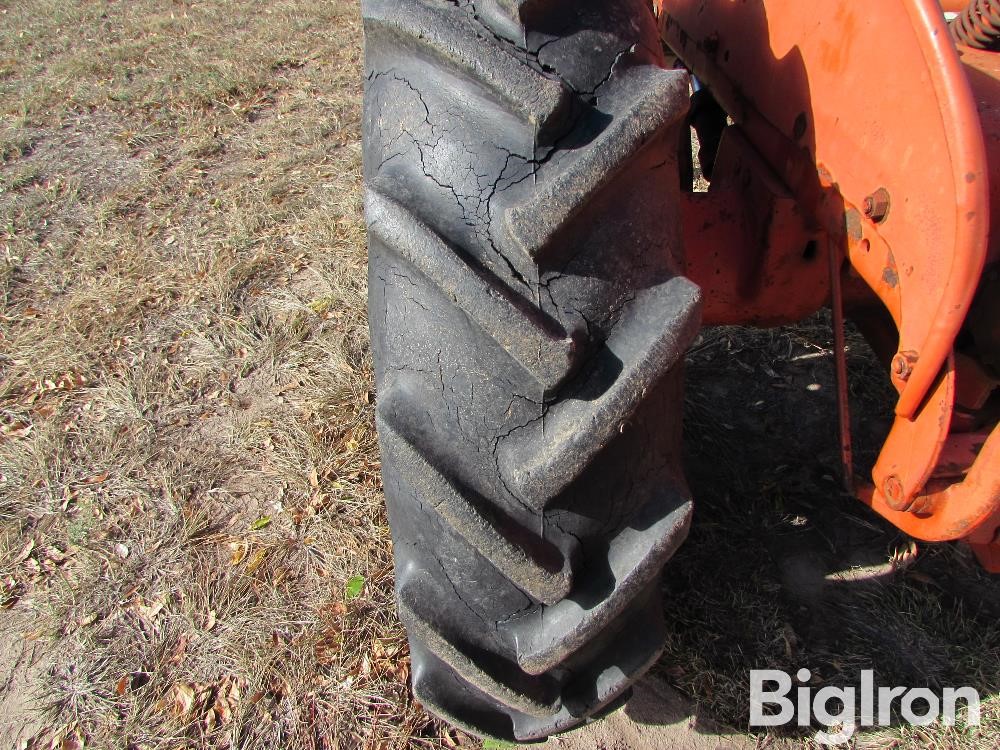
<point>542,459</point>
<point>534,571</point>
<point>609,674</point>
<point>550,635</point>
<point>540,100</point>
<point>469,670</point>
<point>647,102</point>
<point>535,342</point>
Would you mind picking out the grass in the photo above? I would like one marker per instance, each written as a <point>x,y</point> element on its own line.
<point>190,488</point>
<point>193,545</point>
<point>784,570</point>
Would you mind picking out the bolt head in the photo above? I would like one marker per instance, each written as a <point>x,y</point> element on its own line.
<point>892,489</point>
<point>901,366</point>
<point>876,205</point>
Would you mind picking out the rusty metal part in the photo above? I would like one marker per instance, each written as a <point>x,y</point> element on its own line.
<point>876,205</point>
<point>748,245</point>
<point>952,510</point>
<point>892,488</point>
<point>902,365</point>
<point>958,455</point>
<point>836,261</point>
<point>977,25</point>
<point>796,79</point>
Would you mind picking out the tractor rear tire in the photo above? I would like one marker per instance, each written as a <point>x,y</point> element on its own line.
<point>528,323</point>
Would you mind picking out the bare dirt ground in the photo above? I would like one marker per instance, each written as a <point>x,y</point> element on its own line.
<point>656,717</point>
<point>193,548</point>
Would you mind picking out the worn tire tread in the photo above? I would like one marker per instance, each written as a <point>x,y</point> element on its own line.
<point>528,323</point>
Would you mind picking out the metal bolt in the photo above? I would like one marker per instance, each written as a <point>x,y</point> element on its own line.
<point>902,364</point>
<point>876,205</point>
<point>900,367</point>
<point>892,488</point>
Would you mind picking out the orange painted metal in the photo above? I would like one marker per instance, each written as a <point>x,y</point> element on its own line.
<point>865,114</point>
<point>963,265</point>
<point>751,249</point>
<point>896,115</point>
<point>954,510</point>
<point>836,261</point>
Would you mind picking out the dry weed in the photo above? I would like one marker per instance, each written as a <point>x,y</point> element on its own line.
<point>189,465</point>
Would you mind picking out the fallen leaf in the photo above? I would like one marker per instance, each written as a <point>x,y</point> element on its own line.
<point>239,551</point>
<point>25,551</point>
<point>260,523</point>
<point>17,429</point>
<point>10,593</point>
<point>177,655</point>
<point>149,610</point>
<point>88,619</point>
<point>182,699</point>
<point>256,560</point>
<point>96,478</point>
<point>72,741</point>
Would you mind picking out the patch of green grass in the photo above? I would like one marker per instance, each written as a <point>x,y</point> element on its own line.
<point>355,584</point>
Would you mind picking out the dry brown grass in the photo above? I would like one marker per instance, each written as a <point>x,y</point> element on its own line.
<point>188,466</point>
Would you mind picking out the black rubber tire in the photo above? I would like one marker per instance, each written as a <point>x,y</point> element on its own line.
<point>528,323</point>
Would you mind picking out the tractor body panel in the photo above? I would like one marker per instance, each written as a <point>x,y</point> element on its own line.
<point>861,172</point>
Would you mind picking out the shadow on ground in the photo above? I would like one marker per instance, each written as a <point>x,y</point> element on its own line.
<point>782,569</point>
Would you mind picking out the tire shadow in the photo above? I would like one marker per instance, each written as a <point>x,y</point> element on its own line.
<point>783,570</point>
